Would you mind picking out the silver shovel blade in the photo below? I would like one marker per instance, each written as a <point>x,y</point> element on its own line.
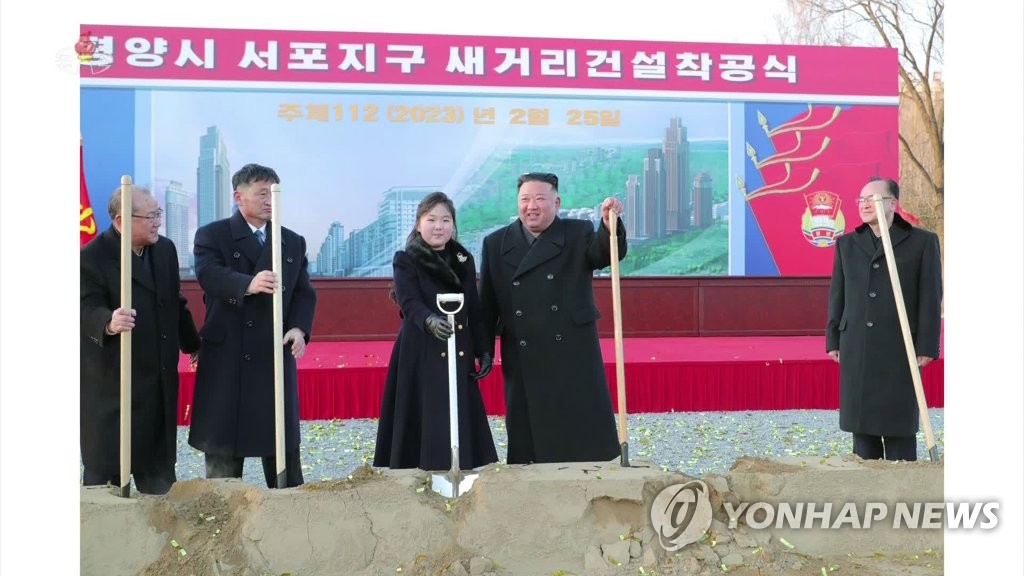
<point>443,485</point>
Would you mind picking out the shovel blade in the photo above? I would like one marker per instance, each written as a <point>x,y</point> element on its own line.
<point>445,486</point>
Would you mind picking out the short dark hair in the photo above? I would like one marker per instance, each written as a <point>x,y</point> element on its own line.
<point>538,177</point>
<point>891,186</point>
<point>253,173</point>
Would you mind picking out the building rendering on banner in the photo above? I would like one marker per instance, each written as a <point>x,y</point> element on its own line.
<point>675,152</point>
<point>332,259</point>
<point>369,251</point>
<point>213,178</point>
<point>176,222</point>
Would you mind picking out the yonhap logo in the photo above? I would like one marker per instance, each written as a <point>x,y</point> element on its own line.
<point>681,514</point>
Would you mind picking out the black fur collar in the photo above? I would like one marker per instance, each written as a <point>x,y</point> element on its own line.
<point>445,266</point>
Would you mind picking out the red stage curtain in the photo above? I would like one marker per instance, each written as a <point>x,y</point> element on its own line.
<point>355,392</point>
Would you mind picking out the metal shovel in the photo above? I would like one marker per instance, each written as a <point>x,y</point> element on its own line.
<point>453,483</point>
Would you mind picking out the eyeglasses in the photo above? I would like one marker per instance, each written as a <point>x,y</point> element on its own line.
<point>862,200</point>
<point>152,216</point>
<point>538,177</point>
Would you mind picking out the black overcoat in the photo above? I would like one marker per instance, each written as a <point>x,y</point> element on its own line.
<point>163,326</point>
<point>233,406</point>
<point>876,390</point>
<point>539,299</point>
<point>414,430</point>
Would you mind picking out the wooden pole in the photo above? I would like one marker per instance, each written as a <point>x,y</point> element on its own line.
<point>275,247</point>
<point>908,342</point>
<point>126,337</point>
<point>620,367</point>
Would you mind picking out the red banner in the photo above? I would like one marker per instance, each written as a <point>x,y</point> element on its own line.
<point>111,54</point>
<point>86,221</point>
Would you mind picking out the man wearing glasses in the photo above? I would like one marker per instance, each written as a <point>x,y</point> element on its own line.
<point>160,324</point>
<point>537,295</point>
<point>877,402</point>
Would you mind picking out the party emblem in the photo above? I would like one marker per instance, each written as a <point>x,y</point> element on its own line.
<point>823,221</point>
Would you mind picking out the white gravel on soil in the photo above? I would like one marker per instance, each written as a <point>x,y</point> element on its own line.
<point>696,443</point>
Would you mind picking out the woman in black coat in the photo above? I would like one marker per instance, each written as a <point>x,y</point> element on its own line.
<point>414,422</point>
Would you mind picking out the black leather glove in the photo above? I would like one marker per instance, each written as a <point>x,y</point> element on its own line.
<point>486,363</point>
<point>438,326</point>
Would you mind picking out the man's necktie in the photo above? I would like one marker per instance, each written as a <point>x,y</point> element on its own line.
<point>259,237</point>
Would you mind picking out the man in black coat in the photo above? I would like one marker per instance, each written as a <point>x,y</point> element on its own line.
<point>536,291</point>
<point>877,401</point>
<point>160,325</point>
<point>233,408</point>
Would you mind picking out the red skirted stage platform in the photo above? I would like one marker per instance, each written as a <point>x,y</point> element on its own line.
<point>346,379</point>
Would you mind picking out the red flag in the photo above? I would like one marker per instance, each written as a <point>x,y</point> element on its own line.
<point>86,221</point>
<point>813,172</point>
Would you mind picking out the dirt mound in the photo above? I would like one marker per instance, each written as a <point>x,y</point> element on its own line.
<point>586,518</point>
<point>747,464</point>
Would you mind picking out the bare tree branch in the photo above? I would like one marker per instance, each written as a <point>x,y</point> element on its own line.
<point>914,28</point>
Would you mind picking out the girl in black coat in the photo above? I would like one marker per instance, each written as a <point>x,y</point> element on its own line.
<point>414,422</point>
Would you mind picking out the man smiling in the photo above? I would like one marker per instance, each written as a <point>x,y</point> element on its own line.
<point>536,288</point>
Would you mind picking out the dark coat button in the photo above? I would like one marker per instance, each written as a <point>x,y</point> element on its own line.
<point>554,308</point>
<point>289,260</point>
<point>872,294</point>
<point>519,312</point>
<point>522,343</point>
<point>551,276</point>
<point>248,323</point>
<point>870,324</point>
<point>515,282</point>
<point>237,255</point>
<point>248,356</point>
<point>875,265</point>
<point>558,337</point>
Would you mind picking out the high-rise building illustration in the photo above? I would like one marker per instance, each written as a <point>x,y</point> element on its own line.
<point>702,201</point>
<point>332,260</point>
<point>213,178</point>
<point>634,207</point>
<point>372,249</point>
<point>654,194</point>
<point>397,213</point>
<point>176,220</point>
<point>676,152</point>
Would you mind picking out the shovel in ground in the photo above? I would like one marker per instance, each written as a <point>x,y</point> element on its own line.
<point>908,340</point>
<point>620,362</point>
<point>453,483</point>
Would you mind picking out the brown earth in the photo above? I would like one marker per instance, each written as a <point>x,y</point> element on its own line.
<point>545,519</point>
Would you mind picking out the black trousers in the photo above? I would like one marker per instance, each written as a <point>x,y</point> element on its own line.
<point>871,447</point>
<point>158,482</point>
<point>219,466</point>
